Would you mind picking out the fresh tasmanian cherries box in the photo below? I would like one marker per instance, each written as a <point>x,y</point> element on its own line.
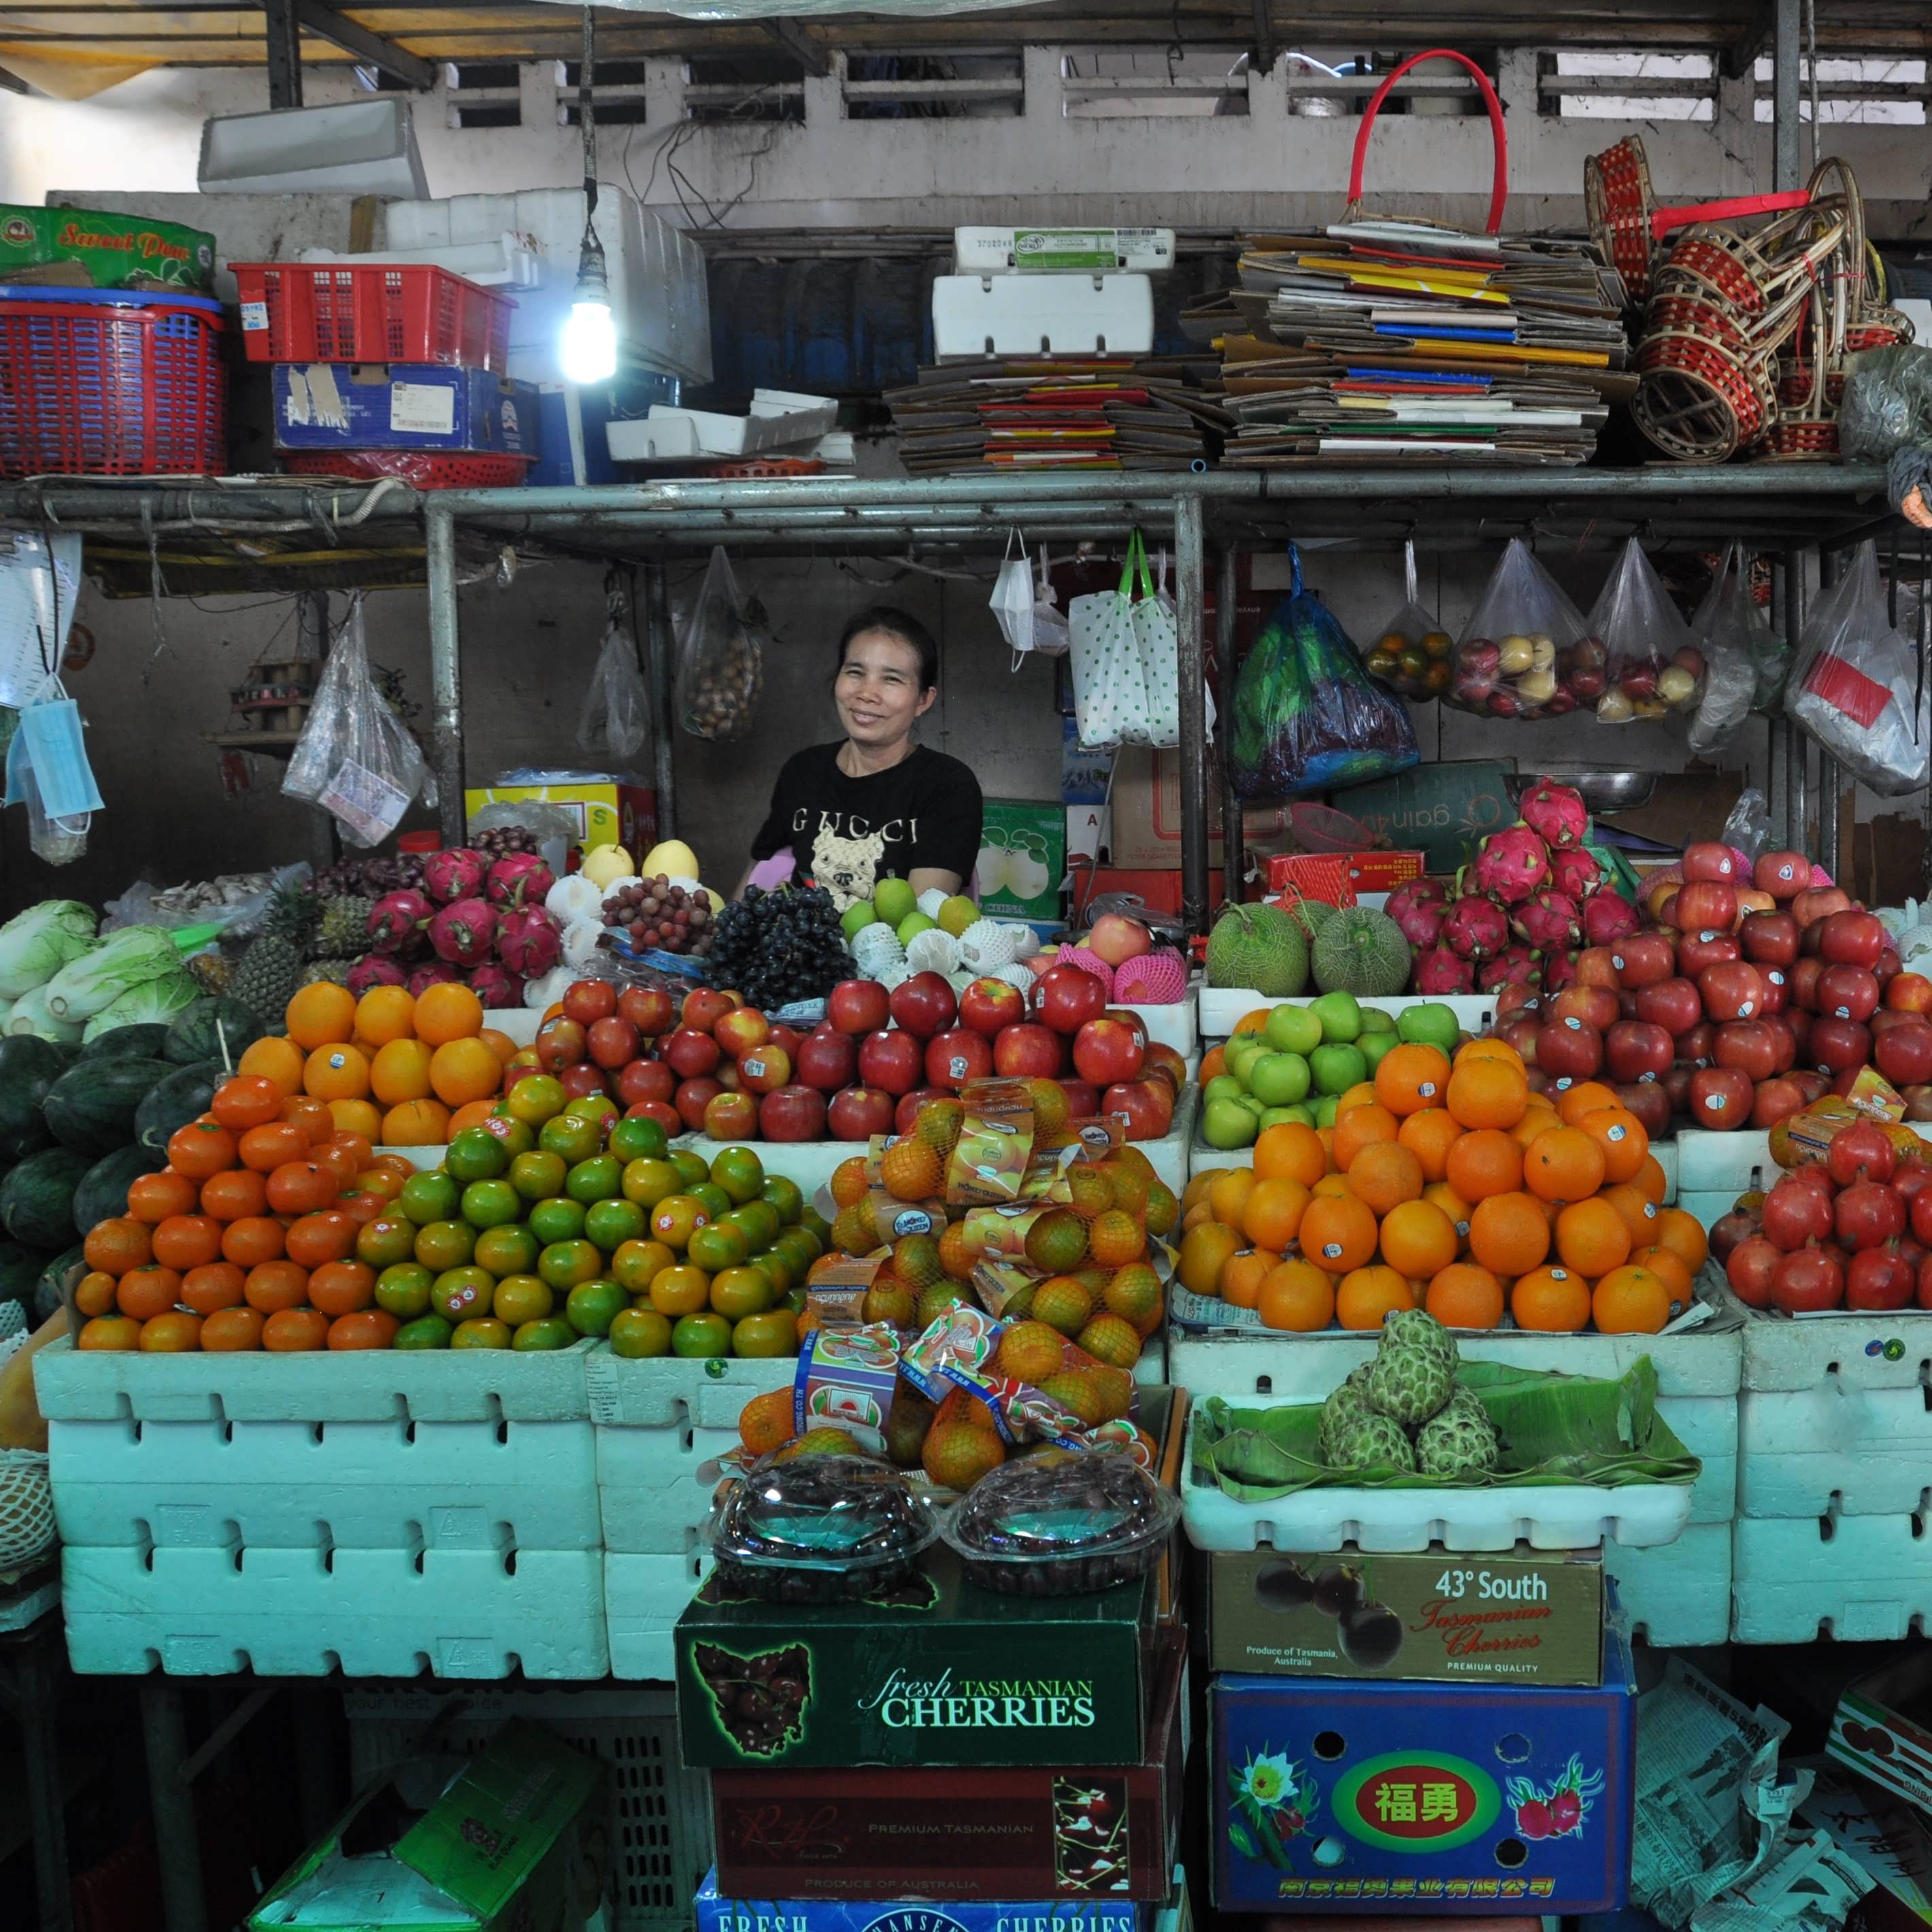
<point>716,1913</point>
<point>1525,1616</point>
<point>1103,1830</point>
<point>934,1672</point>
<point>1355,1796</point>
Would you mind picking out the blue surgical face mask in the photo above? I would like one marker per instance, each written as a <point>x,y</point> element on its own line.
<point>52,733</point>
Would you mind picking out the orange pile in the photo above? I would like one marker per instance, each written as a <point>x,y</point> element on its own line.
<point>1452,1189</point>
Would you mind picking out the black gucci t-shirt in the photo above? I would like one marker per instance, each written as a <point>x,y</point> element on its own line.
<point>847,833</point>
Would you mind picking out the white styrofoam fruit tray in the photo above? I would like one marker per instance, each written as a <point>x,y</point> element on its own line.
<point>1677,1595</point>
<point>309,1613</point>
<point>1222,1008</point>
<point>1697,1372</point>
<point>1565,1516</point>
<point>1855,1350</point>
<point>643,1596</point>
<point>1734,1163</point>
<point>1859,1579</point>
<point>1031,315</point>
<point>1836,1446</point>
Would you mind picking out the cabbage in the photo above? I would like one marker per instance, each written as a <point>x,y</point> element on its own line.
<point>35,945</point>
<point>155,1001</point>
<point>129,958</point>
<point>30,1015</point>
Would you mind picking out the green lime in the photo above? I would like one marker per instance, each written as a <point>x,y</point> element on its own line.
<point>491,1203</point>
<point>740,1172</point>
<point>429,1197</point>
<point>521,1298</point>
<point>638,1139</point>
<point>476,1154</point>
<point>390,1238</point>
<point>560,1219</point>
<point>609,1224</point>
<point>445,1244</point>
<point>760,1221</point>
<point>719,1245</point>
<point>701,1335</point>
<point>458,1293</point>
<point>565,1264</point>
<point>712,1198</point>
<point>550,1331</point>
<point>785,1195</point>
<point>537,1175</point>
<point>648,1180</point>
<point>772,1332</point>
<point>639,1332</point>
<point>402,1291</point>
<point>480,1332</point>
<point>510,1248</point>
<point>426,1331</point>
<point>592,1306</point>
<point>535,1099</point>
<point>692,1168</point>
<point>571,1136</point>
<point>599,1178</point>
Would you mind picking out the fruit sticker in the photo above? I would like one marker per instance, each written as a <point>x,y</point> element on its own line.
<point>1558,1811</point>
<point>1416,1802</point>
<point>1275,1801</point>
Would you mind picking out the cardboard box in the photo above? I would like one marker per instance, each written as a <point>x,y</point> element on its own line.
<point>938,1673</point>
<point>1444,811</point>
<point>1347,1796</point>
<point>1022,858</point>
<point>714,1914</point>
<point>1013,1833</point>
<point>1528,1616</point>
<point>1159,890</point>
<point>115,251</point>
<point>1146,808</point>
<point>1882,1728</point>
<point>1888,1841</point>
<point>1083,774</point>
<point>1368,872</point>
<point>403,405</point>
<point>608,812</point>
<point>496,1851</point>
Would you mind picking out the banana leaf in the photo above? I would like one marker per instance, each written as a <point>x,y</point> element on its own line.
<point>1555,1429</point>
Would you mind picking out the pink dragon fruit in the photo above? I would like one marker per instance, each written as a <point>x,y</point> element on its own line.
<point>1438,971</point>
<point>1418,919</point>
<point>1608,916</point>
<point>462,932</point>
<point>495,985</point>
<point>1417,892</point>
<point>455,874</point>
<point>1559,969</point>
<point>1473,928</point>
<point>1548,922</point>
<point>1575,871</point>
<point>529,942</point>
<point>1556,813</point>
<point>375,969</point>
<point>396,918</point>
<point>438,972</point>
<point>1512,864</point>
<point>518,878</point>
<point>1513,966</point>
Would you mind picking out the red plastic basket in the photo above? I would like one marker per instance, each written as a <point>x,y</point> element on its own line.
<point>421,469</point>
<point>111,383</point>
<point>383,312</point>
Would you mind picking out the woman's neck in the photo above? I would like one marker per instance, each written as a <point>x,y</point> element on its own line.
<point>861,761</point>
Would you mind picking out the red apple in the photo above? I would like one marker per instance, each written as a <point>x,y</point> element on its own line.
<point>1067,998</point>
<point>1569,1050</point>
<point>957,1056</point>
<point>1782,874</point>
<point>1769,938</point>
<point>1909,993</point>
<point>1818,903</point>
<point>1904,1053</point>
<point>1779,1026</point>
<point>1749,1045</point>
<point>741,1030</point>
<point>1706,904</point>
<point>1853,939</point>
<point>691,1098</point>
<point>894,1060</point>
<point>662,1111</point>
<point>1596,966</point>
<point>1166,1062</point>
<point>1592,1005</point>
<point>1644,958</point>
<point>727,1075</point>
<point>1519,1032</point>
<point>1879,1278</point>
<point>731,1117</point>
<point>827,1059</point>
<point>988,1005</point>
<point>559,1043</point>
<point>1751,1268</point>
<point>582,1079</point>
<point>765,1069</point>
<point>1649,1100</point>
<point>1839,1046</point>
<point>611,1042</point>
<point>1731,991</point>
<point>1889,967</point>
<point>1847,992</point>
<point>1804,977</point>
<point>1811,1083</point>
<point>586,1001</point>
<point>1083,1097</point>
<point>792,1113</point>
<point>1696,1046</point>
<point>858,1006</point>
<point>1709,859</point>
<point>1776,1099</point>
<point>1807,1280</point>
<point>689,1053</point>
<point>1720,1098</point>
<point>1104,1051</point>
<point>1728,1230</point>
<point>858,1113</point>
<point>1116,940</point>
<point>1674,1004</point>
<point>905,1115</point>
<point>645,1080</point>
<point>1146,1105</point>
<point>1028,1052</point>
<point>1700,946</point>
<point>704,1006</point>
<point>924,1005</point>
<point>1776,987</point>
<point>1637,1050</point>
<point>1676,1085</point>
<point>650,1008</point>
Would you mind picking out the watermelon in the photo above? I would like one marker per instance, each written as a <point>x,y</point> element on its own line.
<point>182,1097</point>
<point>29,1067</point>
<point>91,1107</point>
<point>199,1032</point>
<point>104,1191</point>
<point>20,1268</point>
<point>37,1198</point>
<point>50,1290</point>
<point>143,1042</point>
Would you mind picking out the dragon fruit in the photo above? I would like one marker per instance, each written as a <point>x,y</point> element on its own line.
<point>528,942</point>
<point>1473,928</point>
<point>1575,871</point>
<point>462,932</point>
<point>455,874</point>
<point>437,973</point>
<point>518,878</point>
<point>1548,922</point>
<point>1438,971</point>
<point>1418,918</point>
<point>1559,969</point>
<point>495,985</point>
<point>396,918</point>
<point>1608,916</point>
<point>1512,864</point>
<point>1513,966</point>
<point>375,969</point>
<point>1555,813</point>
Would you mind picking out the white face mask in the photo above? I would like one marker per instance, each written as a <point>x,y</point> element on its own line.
<point>1023,606</point>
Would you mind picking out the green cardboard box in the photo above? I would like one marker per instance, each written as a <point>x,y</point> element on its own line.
<point>118,251</point>
<point>495,1853</point>
<point>936,1673</point>
<point>1022,858</point>
<point>1444,811</point>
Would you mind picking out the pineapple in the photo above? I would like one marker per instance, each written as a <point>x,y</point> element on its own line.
<point>212,971</point>
<point>270,972</point>
<point>335,971</point>
<point>343,930</point>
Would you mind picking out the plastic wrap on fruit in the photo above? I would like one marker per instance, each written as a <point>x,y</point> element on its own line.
<point>845,1379</point>
<point>989,1160</point>
<point>1526,652</point>
<point>961,1337</point>
<point>1651,666</point>
<point>1307,715</point>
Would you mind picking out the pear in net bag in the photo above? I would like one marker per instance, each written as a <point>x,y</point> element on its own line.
<point>1411,651</point>
<point>1650,666</point>
<point>1857,686</point>
<point>1524,653</point>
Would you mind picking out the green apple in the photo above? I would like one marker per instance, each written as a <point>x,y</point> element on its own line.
<point>1340,1015</point>
<point>1293,1030</point>
<point>1373,1045</point>
<point>1226,1125</point>
<point>915,922</point>
<point>1241,1065</point>
<point>1278,1079</point>
<point>1374,1020</point>
<point>1337,1068</point>
<point>1223,1087</point>
<point>1430,1023</point>
<point>1282,1116</point>
<point>895,899</point>
<point>1324,1110</point>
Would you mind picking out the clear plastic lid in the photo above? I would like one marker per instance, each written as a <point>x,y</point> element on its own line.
<point>1071,1505</point>
<point>843,1513</point>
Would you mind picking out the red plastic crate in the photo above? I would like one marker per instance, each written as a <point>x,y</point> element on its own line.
<point>420,468</point>
<point>381,312</point>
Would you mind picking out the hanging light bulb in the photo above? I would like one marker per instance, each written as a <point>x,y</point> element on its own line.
<point>590,344</point>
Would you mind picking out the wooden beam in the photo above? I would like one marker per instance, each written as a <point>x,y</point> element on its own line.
<point>810,53</point>
<point>12,83</point>
<point>1742,55</point>
<point>285,63</point>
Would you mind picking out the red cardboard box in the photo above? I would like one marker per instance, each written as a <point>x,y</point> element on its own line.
<point>1368,872</point>
<point>1029,1831</point>
<point>1158,889</point>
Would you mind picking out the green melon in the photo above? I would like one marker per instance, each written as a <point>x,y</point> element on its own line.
<point>1362,952</point>
<point>1258,946</point>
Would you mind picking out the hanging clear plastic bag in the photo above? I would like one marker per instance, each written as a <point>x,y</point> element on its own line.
<point>1109,655</point>
<point>616,714</point>
<point>1525,652</point>
<point>355,758</point>
<point>57,840</point>
<point>1857,686</point>
<point>1738,648</point>
<point>1748,829</point>
<point>1887,403</point>
<point>1307,715</point>
<point>1651,667</point>
<point>721,657</point>
<point>1411,654</point>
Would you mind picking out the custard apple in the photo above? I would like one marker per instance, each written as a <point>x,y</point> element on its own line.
<point>1344,1405</point>
<point>1413,1371</point>
<point>1371,1441</point>
<point>1459,1441</point>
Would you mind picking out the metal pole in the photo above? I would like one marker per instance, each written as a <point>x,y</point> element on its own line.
<point>445,670</point>
<point>1785,77</point>
<point>36,1676</point>
<point>285,73</point>
<point>1190,534</point>
<point>1233,843</point>
<point>1798,808</point>
<point>657,651</point>
<point>177,1849</point>
<point>1831,779</point>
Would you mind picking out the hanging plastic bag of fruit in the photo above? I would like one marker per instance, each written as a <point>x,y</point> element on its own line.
<point>1411,654</point>
<point>1858,687</point>
<point>616,713</point>
<point>1524,653</point>
<point>1737,645</point>
<point>1651,667</point>
<point>721,657</point>
<point>1112,643</point>
<point>1307,715</point>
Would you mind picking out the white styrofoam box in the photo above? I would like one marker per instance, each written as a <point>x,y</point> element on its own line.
<point>1169,1155</point>
<point>1834,1447</point>
<point>643,1597</point>
<point>659,293</point>
<point>1697,1377</point>
<point>1037,251</point>
<point>1891,1350</point>
<point>504,263</point>
<point>308,1613</point>
<point>1860,1579</point>
<point>1030,315</point>
<point>1676,1595</point>
<point>1709,1208</point>
<point>778,419</point>
<point>1734,1163</point>
<point>345,147</point>
<point>1170,1025</point>
<point>1223,1008</point>
<point>1918,312</point>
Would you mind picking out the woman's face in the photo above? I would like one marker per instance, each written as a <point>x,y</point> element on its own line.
<point>878,689</point>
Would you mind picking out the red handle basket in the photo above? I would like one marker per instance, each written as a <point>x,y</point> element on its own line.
<point>1499,186</point>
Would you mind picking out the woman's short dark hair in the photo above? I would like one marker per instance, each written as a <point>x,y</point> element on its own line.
<point>907,628</point>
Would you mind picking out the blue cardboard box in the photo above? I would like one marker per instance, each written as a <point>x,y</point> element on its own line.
<point>714,1914</point>
<point>403,406</point>
<point>1342,1795</point>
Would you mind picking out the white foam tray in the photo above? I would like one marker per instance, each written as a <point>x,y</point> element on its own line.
<point>1561,1516</point>
<point>1171,1025</point>
<point>1835,1447</point>
<point>1223,1008</point>
<point>1676,1595</point>
<point>1853,1352</point>
<point>309,1613</point>
<point>507,263</point>
<point>644,1597</point>
<point>1859,1579</point>
<point>778,419</point>
<point>1000,251</point>
<point>1029,315</point>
